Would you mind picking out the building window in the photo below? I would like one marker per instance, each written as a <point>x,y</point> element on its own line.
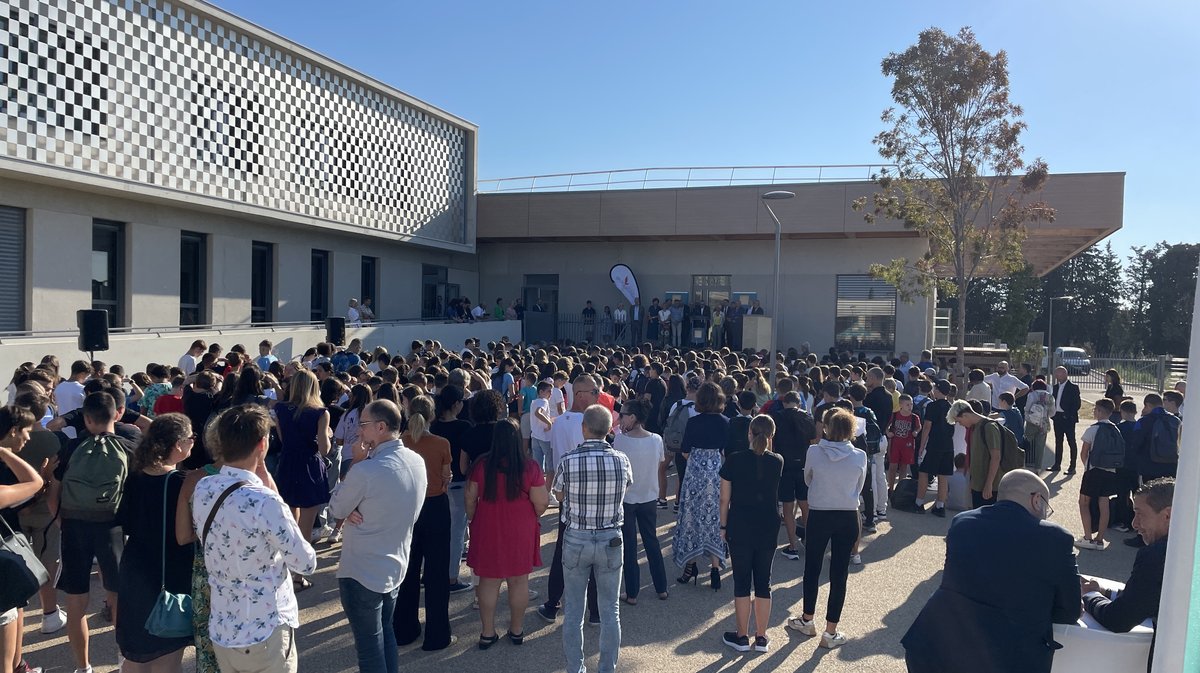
<point>262,287</point>
<point>320,286</point>
<point>711,290</point>
<point>541,286</point>
<point>866,315</point>
<point>193,273</point>
<point>435,291</point>
<point>370,283</point>
<point>12,267</point>
<point>108,269</point>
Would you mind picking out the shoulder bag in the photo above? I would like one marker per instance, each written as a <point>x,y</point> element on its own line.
<point>21,573</point>
<point>171,616</point>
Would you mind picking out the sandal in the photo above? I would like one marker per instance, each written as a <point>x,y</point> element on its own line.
<point>301,584</point>
<point>516,638</point>
<point>487,641</point>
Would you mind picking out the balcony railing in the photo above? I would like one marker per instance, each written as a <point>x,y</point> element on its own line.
<point>685,176</point>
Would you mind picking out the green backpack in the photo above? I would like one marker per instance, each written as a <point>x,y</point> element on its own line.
<point>95,479</point>
<point>1012,456</point>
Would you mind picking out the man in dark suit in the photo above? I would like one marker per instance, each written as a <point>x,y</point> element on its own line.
<point>1138,601</point>
<point>994,609</point>
<point>1066,415</point>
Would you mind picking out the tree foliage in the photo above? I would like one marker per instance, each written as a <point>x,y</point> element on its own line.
<point>954,140</point>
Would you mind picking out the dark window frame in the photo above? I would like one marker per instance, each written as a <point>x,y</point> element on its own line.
<point>116,271</point>
<point>262,283</point>
<point>369,283</point>
<point>318,309</point>
<point>193,313</point>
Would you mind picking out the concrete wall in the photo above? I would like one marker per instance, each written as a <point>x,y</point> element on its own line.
<point>134,351</point>
<point>60,243</point>
<point>809,270</point>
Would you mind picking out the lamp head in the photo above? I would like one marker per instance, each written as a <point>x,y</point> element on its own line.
<point>778,196</point>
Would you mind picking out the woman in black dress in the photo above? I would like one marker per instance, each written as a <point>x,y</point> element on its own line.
<point>147,516</point>
<point>750,526</point>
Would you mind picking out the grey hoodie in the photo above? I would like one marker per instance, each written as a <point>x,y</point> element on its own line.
<point>835,473</point>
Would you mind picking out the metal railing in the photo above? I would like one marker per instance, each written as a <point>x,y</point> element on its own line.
<point>681,176</point>
<point>227,327</point>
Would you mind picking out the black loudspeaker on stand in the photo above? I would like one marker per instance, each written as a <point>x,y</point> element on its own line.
<point>335,330</point>
<point>93,329</point>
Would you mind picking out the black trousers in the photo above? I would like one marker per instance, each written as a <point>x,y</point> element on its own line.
<point>430,552</point>
<point>977,499</point>
<point>752,559</point>
<point>557,584</point>
<point>1064,428</point>
<point>836,530</point>
<point>1121,511</point>
<point>868,495</point>
<point>680,470</point>
<point>642,518</point>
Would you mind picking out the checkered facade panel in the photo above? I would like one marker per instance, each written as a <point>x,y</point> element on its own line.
<point>152,92</point>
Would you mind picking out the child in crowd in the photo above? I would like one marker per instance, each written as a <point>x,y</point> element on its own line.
<point>902,435</point>
<point>959,496</point>
<point>1103,452</point>
<point>978,389</point>
<point>1011,416</point>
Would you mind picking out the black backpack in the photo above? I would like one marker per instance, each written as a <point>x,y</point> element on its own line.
<point>1164,439</point>
<point>1108,447</point>
<point>869,442</point>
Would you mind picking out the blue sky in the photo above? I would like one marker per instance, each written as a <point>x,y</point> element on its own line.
<point>575,86</point>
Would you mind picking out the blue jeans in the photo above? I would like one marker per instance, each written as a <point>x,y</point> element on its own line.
<point>585,552</point>
<point>539,450</point>
<point>370,616</point>
<point>458,525</point>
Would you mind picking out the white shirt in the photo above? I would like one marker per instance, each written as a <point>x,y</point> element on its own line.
<point>353,317</point>
<point>253,542</point>
<point>664,315</point>
<point>620,316</point>
<point>566,435</point>
<point>68,396</point>
<point>1003,384</point>
<point>557,397</point>
<point>645,454</point>
<point>536,427</point>
<point>478,312</point>
<point>188,364</point>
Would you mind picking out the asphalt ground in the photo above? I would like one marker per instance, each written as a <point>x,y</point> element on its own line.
<point>902,568</point>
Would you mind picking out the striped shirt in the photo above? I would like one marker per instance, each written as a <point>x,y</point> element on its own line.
<point>593,479</point>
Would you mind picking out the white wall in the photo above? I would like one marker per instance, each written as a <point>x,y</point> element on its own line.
<point>134,351</point>
<point>59,244</point>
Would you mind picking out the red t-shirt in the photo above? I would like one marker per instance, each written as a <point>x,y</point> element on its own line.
<point>904,429</point>
<point>168,404</point>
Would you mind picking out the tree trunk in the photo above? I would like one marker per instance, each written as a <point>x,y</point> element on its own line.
<point>960,372</point>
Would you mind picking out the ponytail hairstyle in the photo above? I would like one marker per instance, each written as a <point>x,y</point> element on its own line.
<point>762,432</point>
<point>166,430</point>
<point>420,415</point>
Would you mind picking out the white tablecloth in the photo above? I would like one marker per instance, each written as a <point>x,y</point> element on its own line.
<point>1090,648</point>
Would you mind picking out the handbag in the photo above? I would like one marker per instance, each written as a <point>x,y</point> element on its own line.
<point>171,616</point>
<point>21,573</point>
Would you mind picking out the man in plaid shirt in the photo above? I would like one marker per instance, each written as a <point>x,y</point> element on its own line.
<point>590,483</point>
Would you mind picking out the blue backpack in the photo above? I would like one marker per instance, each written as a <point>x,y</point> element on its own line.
<point>1108,447</point>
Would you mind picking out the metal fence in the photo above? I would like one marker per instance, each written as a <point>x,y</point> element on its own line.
<point>574,329</point>
<point>1142,374</point>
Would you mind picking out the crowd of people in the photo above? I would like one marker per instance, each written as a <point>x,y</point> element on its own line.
<point>209,482</point>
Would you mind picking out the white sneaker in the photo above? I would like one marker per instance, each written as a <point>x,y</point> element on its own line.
<point>1083,543</point>
<point>54,622</point>
<point>808,628</point>
<point>336,537</point>
<point>882,516</point>
<point>1099,545</point>
<point>84,670</point>
<point>856,559</point>
<point>832,640</point>
<point>321,533</point>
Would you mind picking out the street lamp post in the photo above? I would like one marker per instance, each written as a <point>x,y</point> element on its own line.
<point>775,301</point>
<point>1050,336</point>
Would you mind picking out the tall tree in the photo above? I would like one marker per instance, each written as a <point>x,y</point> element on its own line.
<point>952,127</point>
<point>1171,296</point>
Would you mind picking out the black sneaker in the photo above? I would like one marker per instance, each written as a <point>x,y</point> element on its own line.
<point>548,614</point>
<point>662,504</point>
<point>739,643</point>
<point>593,620</point>
<point>790,553</point>
<point>762,643</point>
<point>459,587</point>
<point>939,511</point>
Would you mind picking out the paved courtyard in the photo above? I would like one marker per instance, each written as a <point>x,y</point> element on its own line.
<point>902,565</point>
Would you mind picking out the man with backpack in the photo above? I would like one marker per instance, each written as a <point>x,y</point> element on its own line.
<point>87,488</point>
<point>794,433</point>
<point>869,443</point>
<point>994,452</point>
<point>1103,452</point>
<point>1158,432</point>
<point>879,401</point>
<point>677,418</point>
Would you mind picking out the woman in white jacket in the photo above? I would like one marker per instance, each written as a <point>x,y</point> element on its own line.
<point>835,472</point>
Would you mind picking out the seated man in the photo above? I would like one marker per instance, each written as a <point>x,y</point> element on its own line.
<point>994,609</point>
<point>1138,601</point>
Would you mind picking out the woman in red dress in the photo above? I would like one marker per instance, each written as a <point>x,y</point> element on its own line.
<point>505,495</point>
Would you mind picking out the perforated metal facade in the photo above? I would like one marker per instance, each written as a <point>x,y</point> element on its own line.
<point>170,95</point>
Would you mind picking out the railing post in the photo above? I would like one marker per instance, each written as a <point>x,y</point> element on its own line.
<point>1162,373</point>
